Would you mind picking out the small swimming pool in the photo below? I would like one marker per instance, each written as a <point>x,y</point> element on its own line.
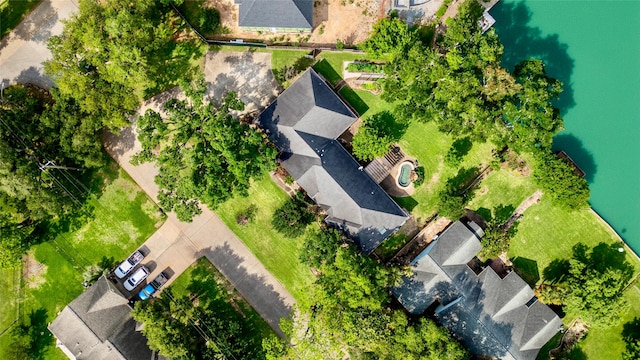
<point>404,177</point>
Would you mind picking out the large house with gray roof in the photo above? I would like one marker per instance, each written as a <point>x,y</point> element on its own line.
<point>97,325</point>
<point>304,122</point>
<point>275,15</point>
<point>494,316</point>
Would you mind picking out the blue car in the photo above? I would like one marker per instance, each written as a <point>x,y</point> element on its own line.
<point>152,287</point>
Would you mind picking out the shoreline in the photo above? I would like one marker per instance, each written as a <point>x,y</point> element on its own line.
<point>607,225</point>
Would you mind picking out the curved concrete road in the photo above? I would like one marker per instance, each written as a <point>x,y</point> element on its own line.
<point>176,245</point>
<point>24,49</point>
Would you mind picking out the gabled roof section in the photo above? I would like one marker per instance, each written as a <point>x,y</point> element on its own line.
<point>293,14</point>
<point>304,122</point>
<point>98,325</point>
<point>457,245</point>
<point>496,317</point>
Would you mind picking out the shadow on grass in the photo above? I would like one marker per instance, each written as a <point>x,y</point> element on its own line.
<point>527,269</point>
<point>324,68</point>
<point>30,339</point>
<point>408,202</point>
<point>555,271</point>
<point>353,99</point>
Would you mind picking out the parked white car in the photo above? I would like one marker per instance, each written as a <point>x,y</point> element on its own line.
<point>137,277</point>
<point>132,261</point>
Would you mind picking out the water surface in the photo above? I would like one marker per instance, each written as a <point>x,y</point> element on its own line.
<point>593,47</point>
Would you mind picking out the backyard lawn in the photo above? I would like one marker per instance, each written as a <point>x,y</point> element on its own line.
<point>279,254</point>
<point>122,218</point>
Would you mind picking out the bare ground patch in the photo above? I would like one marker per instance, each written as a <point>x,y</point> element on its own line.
<point>349,21</point>
<point>33,272</point>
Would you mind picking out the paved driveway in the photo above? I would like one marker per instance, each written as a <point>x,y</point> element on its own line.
<point>25,48</point>
<point>248,73</point>
<point>176,245</point>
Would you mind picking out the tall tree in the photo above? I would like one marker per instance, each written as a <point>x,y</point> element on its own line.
<point>106,56</point>
<point>203,153</point>
<point>594,284</point>
<point>555,175</point>
<point>32,135</point>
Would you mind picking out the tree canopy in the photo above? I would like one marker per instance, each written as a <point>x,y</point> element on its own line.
<point>33,126</point>
<point>203,153</point>
<point>558,177</point>
<point>593,285</point>
<point>461,86</point>
<point>376,135</point>
<point>110,53</point>
<point>350,312</point>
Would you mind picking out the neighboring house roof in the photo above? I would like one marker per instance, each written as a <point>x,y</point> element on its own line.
<point>293,14</point>
<point>304,122</point>
<point>98,325</point>
<point>497,317</point>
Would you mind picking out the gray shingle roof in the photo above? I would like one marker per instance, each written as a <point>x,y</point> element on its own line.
<point>292,14</point>
<point>98,325</point>
<point>304,122</point>
<point>493,316</point>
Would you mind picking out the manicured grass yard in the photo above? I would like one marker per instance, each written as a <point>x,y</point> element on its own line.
<point>123,217</point>
<point>544,234</point>
<point>204,279</point>
<point>12,12</point>
<point>502,187</point>
<point>280,255</point>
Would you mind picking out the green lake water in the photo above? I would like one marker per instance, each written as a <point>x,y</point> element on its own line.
<point>593,47</point>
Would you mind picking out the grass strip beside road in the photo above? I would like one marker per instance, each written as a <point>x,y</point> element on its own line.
<point>12,12</point>
<point>279,254</point>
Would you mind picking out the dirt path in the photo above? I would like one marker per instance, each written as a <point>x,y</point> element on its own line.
<point>517,214</point>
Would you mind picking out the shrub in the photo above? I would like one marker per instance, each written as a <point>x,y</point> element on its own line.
<point>209,20</point>
<point>339,44</point>
<point>364,67</point>
<point>245,216</point>
<point>292,218</point>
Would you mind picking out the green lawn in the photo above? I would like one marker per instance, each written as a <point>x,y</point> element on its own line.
<point>123,217</point>
<point>502,188</point>
<point>276,252</point>
<point>204,279</point>
<point>12,12</point>
<point>282,58</point>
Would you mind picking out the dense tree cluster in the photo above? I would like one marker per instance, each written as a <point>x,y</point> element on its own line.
<point>109,54</point>
<point>203,153</point>
<point>350,311</point>
<point>461,86</point>
<point>199,326</point>
<point>35,129</point>
<point>593,284</point>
